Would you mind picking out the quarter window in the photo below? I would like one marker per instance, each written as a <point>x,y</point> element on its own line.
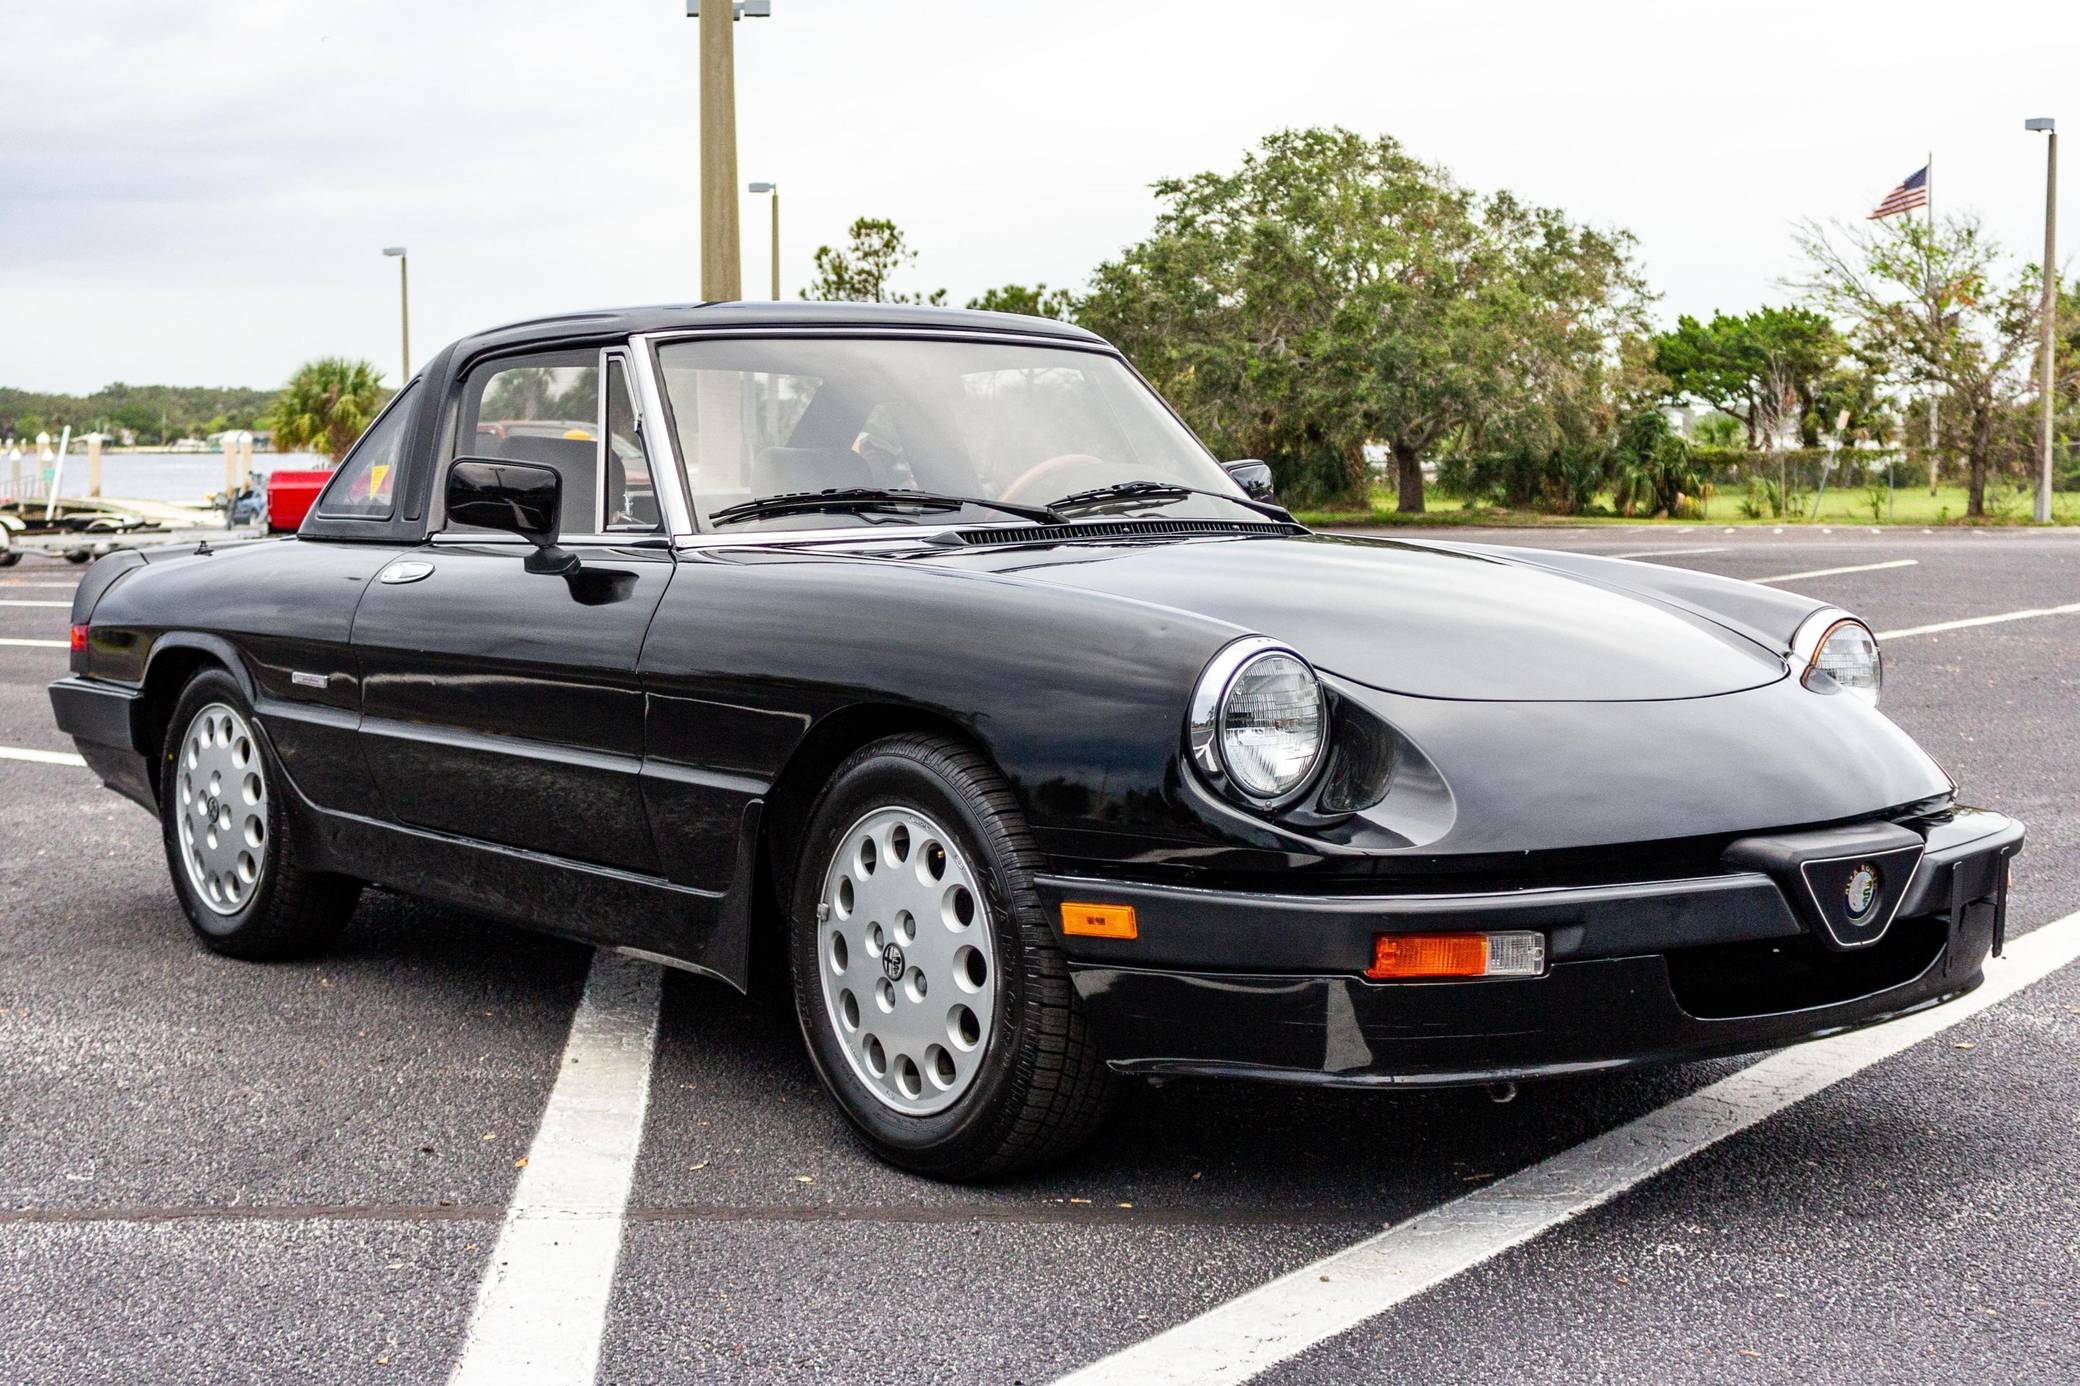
<point>366,485</point>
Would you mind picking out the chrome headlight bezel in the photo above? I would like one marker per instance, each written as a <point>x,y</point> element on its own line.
<point>1813,634</point>
<point>1207,721</point>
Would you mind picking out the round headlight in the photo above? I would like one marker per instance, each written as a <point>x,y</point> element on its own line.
<point>1843,649</point>
<point>1259,723</point>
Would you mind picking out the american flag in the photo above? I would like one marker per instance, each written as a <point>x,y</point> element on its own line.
<point>1911,193</point>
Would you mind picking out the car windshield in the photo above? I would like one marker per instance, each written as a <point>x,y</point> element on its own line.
<point>993,421</point>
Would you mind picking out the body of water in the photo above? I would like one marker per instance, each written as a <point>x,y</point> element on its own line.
<point>182,478</point>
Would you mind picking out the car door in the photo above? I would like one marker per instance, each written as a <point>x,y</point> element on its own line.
<point>504,706</point>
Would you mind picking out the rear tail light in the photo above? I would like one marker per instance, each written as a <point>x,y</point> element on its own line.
<point>79,638</point>
<point>1405,957</point>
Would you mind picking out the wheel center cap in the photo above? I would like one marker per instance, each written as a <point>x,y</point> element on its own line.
<point>892,962</point>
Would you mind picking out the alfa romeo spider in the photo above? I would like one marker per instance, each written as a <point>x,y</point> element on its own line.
<point>929,656</point>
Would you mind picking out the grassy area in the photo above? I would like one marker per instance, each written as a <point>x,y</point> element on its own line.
<point>1909,505</point>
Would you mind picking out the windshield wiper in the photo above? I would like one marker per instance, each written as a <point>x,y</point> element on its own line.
<point>871,498</point>
<point>1159,491</point>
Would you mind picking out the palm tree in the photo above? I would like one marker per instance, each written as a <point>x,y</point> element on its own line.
<point>326,405</point>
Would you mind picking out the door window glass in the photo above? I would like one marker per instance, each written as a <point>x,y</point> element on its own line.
<point>542,409</point>
<point>367,480</point>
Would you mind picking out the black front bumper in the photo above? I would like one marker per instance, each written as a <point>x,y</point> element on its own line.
<point>1271,986</point>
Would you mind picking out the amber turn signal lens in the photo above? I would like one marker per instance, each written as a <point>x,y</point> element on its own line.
<point>1397,957</point>
<point>1428,955</point>
<point>1099,921</point>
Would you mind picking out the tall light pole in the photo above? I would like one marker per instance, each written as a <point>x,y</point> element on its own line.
<point>722,267</point>
<point>2049,314</point>
<point>404,311</point>
<point>774,189</point>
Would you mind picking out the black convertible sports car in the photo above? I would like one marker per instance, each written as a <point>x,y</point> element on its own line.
<point>930,651</point>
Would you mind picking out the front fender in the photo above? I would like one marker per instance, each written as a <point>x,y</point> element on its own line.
<point>1079,698</point>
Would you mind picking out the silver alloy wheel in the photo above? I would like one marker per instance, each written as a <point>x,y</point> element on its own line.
<point>908,961</point>
<point>220,799</point>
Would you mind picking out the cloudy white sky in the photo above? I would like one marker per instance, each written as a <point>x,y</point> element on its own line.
<point>198,192</point>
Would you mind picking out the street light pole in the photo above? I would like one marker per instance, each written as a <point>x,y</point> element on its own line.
<point>404,311</point>
<point>722,265</point>
<point>2049,313</point>
<point>774,189</point>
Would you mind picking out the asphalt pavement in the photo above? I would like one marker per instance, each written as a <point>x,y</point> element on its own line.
<point>215,1171</point>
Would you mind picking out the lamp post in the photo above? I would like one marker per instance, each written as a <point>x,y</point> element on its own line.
<point>722,266</point>
<point>774,189</point>
<point>404,311</point>
<point>2049,313</point>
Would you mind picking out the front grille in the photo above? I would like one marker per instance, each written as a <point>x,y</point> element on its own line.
<point>1771,976</point>
<point>1120,529</point>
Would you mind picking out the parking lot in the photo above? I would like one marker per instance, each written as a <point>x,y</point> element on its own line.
<point>216,1171</point>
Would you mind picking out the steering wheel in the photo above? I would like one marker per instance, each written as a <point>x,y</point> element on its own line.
<point>1045,480</point>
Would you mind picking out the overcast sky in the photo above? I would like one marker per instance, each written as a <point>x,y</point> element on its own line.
<point>198,192</point>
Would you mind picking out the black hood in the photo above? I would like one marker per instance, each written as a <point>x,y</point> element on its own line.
<point>1424,621</point>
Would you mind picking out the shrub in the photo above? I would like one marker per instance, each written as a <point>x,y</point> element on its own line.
<point>1717,431</point>
<point>1561,481</point>
<point>1652,469</point>
<point>1762,498</point>
<point>1318,480</point>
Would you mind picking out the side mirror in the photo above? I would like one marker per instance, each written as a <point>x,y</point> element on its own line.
<point>1253,477</point>
<point>523,498</point>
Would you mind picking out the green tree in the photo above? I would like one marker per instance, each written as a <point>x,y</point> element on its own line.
<point>1758,367</point>
<point>326,405</point>
<point>1039,301</point>
<point>183,408</point>
<point>861,271</point>
<point>1928,303</point>
<point>1716,430</point>
<point>1334,291</point>
<point>1852,405</point>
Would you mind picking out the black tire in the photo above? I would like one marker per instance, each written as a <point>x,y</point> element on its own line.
<point>290,911</point>
<point>1041,1088</point>
<point>9,555</point>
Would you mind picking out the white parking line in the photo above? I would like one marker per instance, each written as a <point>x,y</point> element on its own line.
<point>1247,1335</point>
<point>54,586</point>
<point>2067,610</point>
<point>1832,572</point>
<point>40,757</point>
<point>37,644</point>
<point>543,1305</point>
<point>1663,553</point>
<point>5,602</point>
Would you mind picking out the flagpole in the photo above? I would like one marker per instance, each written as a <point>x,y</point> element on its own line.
<point>1928,183</point>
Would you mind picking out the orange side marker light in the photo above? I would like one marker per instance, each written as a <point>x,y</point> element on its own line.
<point>1098,921</point>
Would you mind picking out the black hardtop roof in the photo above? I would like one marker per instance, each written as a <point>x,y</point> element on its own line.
<point>620,322</point>
<point>426,414</point>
